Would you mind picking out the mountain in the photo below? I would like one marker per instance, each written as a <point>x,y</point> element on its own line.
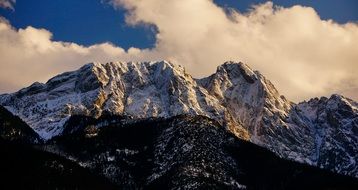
<point>182,152</point>
<point>320,132</point>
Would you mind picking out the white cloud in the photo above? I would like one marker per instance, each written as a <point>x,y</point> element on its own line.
<point>303,55</point>
<point>28,55</point>
<point>7,4</point>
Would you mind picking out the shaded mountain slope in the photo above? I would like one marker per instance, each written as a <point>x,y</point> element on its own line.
<point>23,167</point>
<point>13,129</point>
<point>183,152</point>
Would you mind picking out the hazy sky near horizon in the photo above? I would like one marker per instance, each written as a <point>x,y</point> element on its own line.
<point>306,48</point>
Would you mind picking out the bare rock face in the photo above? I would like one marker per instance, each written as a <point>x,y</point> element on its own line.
<point>321,132</point>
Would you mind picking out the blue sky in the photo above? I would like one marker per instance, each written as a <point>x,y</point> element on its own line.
<point>95,22</point>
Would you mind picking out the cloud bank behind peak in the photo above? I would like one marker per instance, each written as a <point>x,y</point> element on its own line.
<point>303,55</point>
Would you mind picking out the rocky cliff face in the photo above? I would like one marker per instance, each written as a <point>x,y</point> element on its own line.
<point>334,124</point>
<point>320,132</point>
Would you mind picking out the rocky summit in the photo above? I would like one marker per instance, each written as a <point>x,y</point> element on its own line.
<point>322,132</point>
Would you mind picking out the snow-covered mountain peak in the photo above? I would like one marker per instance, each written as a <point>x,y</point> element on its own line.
<point>139,70</point>
<point>237,69</point>
<point>235,95</point>
<point>336,103</point>
<point>247,94</point>
<point>141,89</point>
<point>337,100</point>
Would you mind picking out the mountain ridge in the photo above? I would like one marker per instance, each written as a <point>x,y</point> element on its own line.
<point>240,99</point>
